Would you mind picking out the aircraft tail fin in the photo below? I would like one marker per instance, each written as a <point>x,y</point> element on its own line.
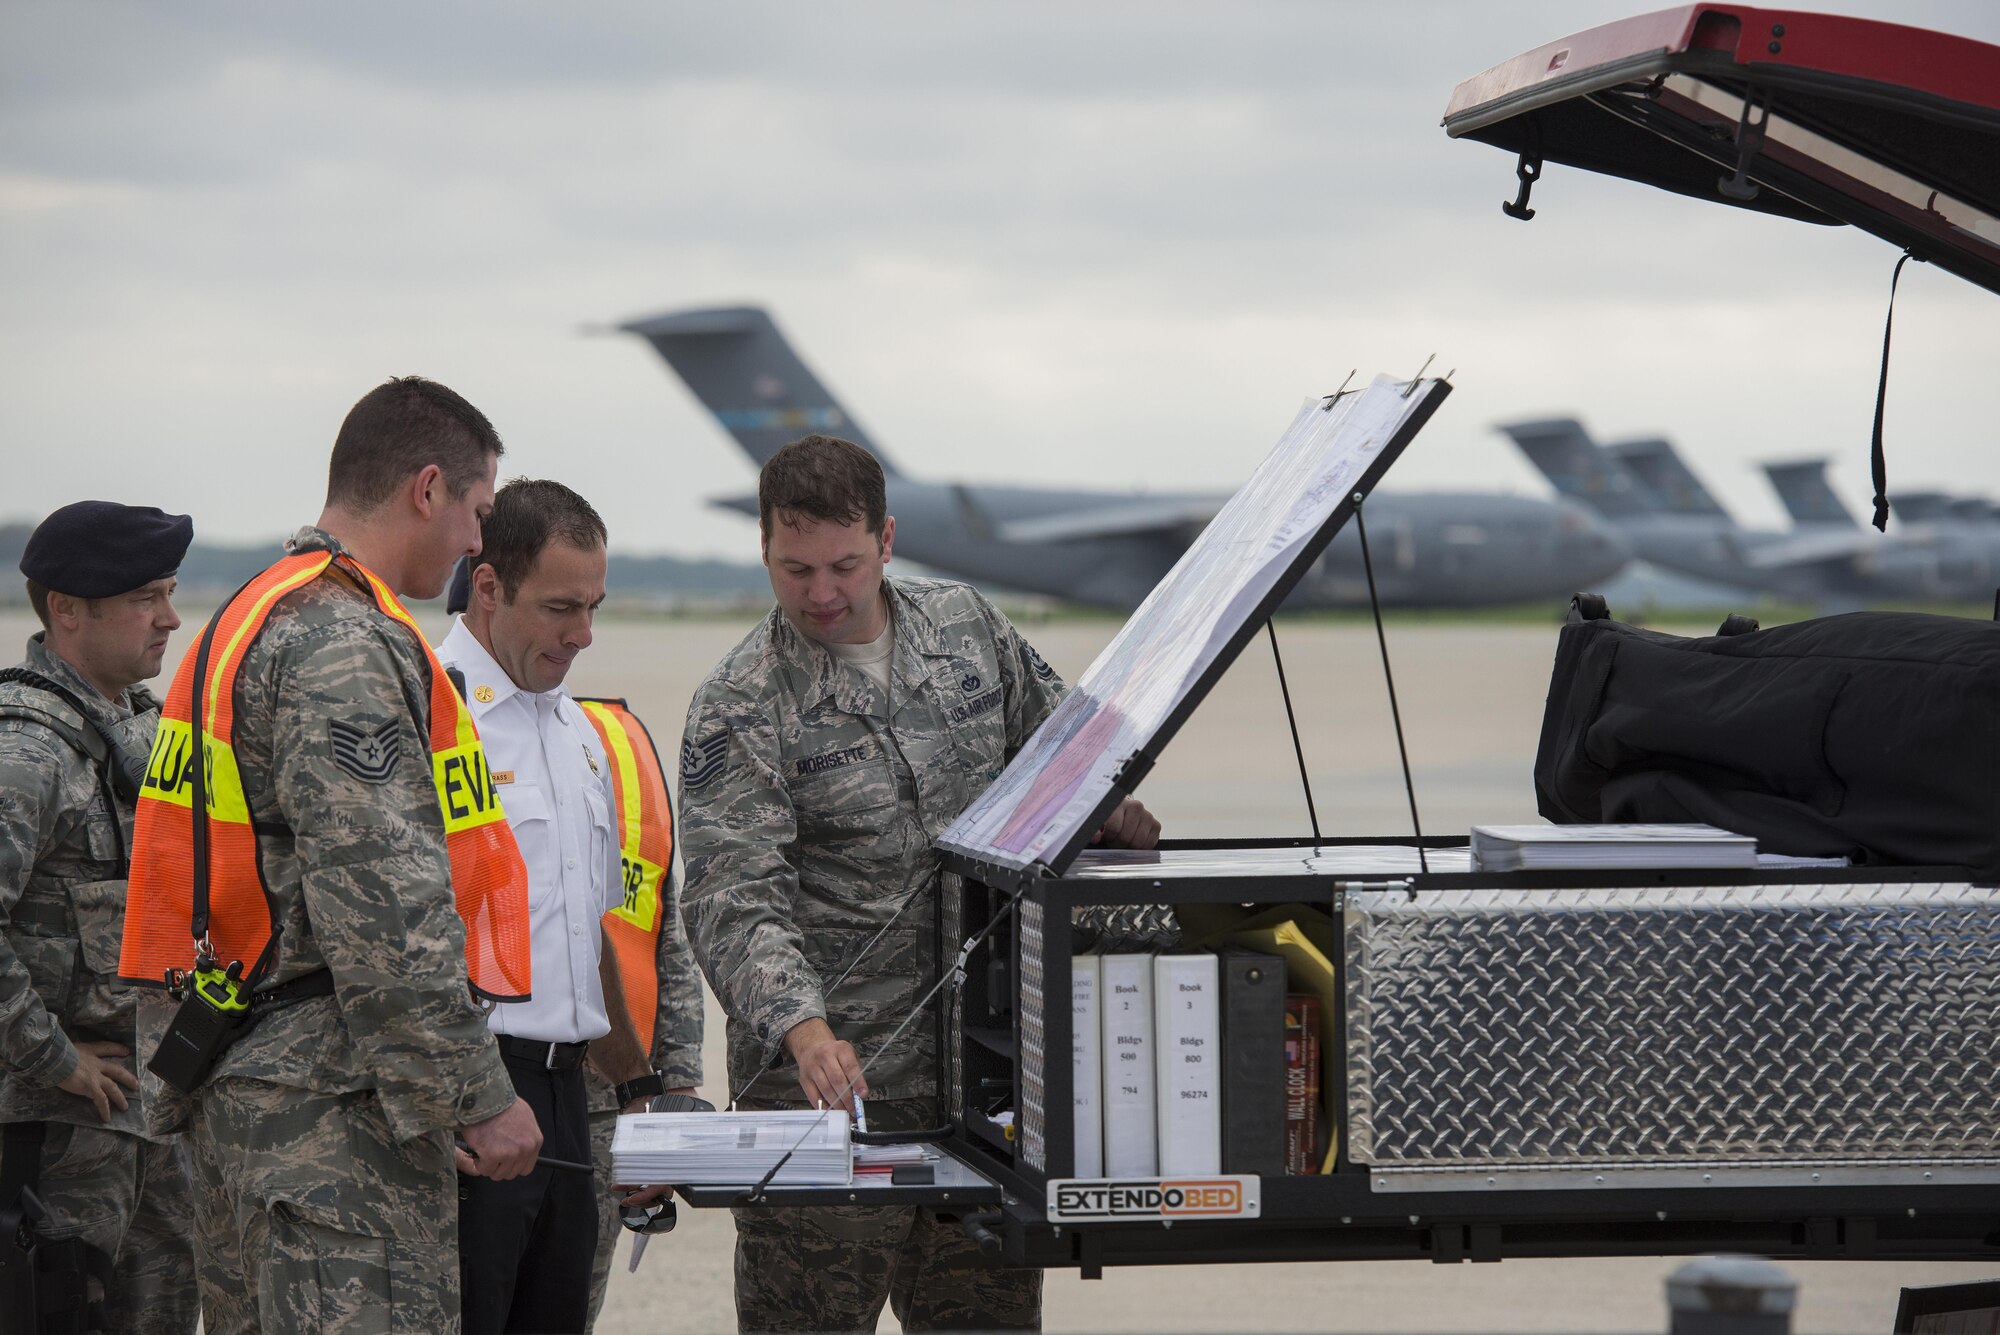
<point>1921,507</point>
<point>739,365</point>
<point>1807,496</point>
<point>1577,468</point>
<point>1663,473</point>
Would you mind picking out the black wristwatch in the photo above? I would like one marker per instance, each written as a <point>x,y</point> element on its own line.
<point>642,1087</point>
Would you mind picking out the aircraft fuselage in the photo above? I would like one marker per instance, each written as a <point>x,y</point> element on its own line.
<point>1437,549</point>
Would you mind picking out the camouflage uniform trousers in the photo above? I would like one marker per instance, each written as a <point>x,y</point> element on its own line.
<point>609,1230</point>
<point>310,1217</point>
<point>830,1268</point>
<point>128,1197</point>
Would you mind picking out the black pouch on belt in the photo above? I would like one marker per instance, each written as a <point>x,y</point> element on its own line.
<point>214,1012</point>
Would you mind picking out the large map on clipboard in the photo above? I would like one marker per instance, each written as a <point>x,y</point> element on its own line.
<point>1103,736</point>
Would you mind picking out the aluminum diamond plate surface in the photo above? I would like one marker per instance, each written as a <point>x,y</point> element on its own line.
<point>951,928</point>
<point>1738,1024</point>
<point>1034,1039</point>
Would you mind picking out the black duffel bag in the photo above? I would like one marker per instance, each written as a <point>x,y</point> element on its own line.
<point>1873,735</point>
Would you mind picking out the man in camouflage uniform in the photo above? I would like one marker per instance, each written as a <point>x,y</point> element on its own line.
<point>322,1142</point>
<point>822,757</point>
<point>75,728</point>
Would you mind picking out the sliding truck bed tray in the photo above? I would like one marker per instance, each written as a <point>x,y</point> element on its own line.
<point>953,1186</point>
<point>1796,1063</point>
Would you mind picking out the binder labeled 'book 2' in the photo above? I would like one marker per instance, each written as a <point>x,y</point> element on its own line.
<point>1131,1144</point>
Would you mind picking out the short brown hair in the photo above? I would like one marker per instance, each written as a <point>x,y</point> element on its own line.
<point>403,426</point>
<point>38,598</point>
<point>529,514</point>
<point>822,479</point>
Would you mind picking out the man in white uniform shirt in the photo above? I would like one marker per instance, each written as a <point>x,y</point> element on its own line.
<point>525,1245</point>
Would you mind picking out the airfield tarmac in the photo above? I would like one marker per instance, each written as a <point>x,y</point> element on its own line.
<point>1471,700</point>
<point>1471,697</point>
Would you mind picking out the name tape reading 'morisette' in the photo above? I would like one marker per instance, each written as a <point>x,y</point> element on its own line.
<point>1077,1200</point>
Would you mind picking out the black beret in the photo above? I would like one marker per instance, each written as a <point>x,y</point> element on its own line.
<point>97,549</point>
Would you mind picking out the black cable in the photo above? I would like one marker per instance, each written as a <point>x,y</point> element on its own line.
<point>198,804</point>
<point>1878,465</point>
<point>777,1051</point>
<point>957,966</point>
<point>1389,676</point>
<point>1312,813</point>
<point>569,1165</point>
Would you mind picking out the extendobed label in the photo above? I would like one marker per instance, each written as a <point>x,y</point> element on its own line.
<point>1076,1200</point>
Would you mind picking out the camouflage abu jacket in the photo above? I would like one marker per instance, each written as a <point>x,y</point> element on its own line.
<point>62,888</point>
<point>808,809</point>
<point>355,865</point>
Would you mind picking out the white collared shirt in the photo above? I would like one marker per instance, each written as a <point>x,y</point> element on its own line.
<point>554,781</point>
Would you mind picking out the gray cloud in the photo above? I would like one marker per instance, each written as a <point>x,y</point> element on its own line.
<point>1111,243</point>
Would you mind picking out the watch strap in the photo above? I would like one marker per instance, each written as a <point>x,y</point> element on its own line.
<point>641,1087</point>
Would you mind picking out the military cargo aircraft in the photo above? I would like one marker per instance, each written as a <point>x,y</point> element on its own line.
<point>1807,496</point>
<point>1108,549</point>
<point>1672,521</point>
<point>1809,499</point>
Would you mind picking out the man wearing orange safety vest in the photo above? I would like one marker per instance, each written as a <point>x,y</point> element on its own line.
<point>526,1246</point>
<point>322,868</point>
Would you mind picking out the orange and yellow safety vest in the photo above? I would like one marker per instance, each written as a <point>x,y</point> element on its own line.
<point>645,818</point>
<point>489,881</point>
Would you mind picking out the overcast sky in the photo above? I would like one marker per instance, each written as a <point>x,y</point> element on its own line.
<point>1108,244</point>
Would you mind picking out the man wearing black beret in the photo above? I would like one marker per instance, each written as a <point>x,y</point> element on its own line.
<point>75,731</point>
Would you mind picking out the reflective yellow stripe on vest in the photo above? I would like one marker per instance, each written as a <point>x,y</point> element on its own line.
<point>641,905</point>
<point>464,783</point>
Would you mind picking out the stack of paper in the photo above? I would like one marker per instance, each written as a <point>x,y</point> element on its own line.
<point>1795,862</point>
<point>1608,847</point>
<point>883,1158</point>
<point>673,1149</point>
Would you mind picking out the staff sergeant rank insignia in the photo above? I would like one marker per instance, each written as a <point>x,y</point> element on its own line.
<point>701,761</point>
<point>370,755</point>
<point>1042,669</point>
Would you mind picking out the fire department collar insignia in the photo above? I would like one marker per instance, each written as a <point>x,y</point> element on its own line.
<point>483,694</point>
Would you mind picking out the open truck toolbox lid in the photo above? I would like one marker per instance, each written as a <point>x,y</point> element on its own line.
<point>1103,738</point>
<point>1828,119</point>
